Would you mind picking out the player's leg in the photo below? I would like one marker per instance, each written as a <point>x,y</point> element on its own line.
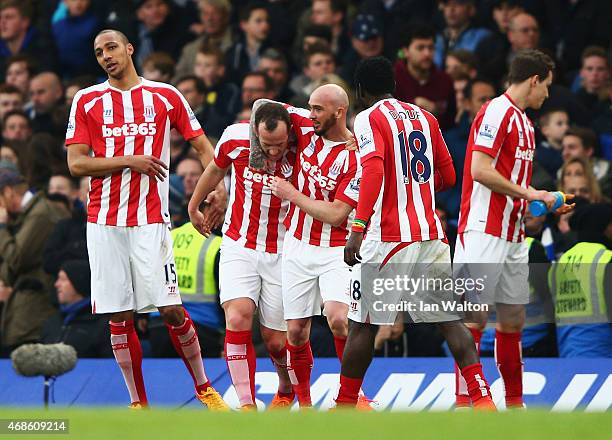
<point>239,349</point>
<point>240,286</point>
<point>476,257</point>
<point>358,354</point>
<point>112,292</point>
<point>336,313</point>
<point>511,297</point>
<point>273,326</point>
<point>155,287</point>
<point>301,301</point>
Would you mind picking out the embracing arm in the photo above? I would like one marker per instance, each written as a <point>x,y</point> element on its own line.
<point>204,148</point>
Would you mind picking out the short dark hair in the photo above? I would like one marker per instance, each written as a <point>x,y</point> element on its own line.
<point>319,31</point>
<point>594,51</point>
<point>418,32</point>
<point>122,36</point>
<point>12,113</point>
<point>271,113</point>
<point>8,89</point>
<point>318,48</point>
<point>465,57</point>
<point>546,114</point>
<point>210,49</point>
<point>275,55</point>
<point>81,81</point>
<point>269,84</point>
<point>160,61</point>
<point>245,13</point>
<point>530,62</point>
<point>586,136</point>
<point>337,5</point>
<point>199,84</point>
<point>23,6</point>
<point>22,58</point>
<point>467,92</point>
<point>375,76</point>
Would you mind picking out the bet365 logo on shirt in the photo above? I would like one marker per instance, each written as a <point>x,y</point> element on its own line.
<point>132,129</point>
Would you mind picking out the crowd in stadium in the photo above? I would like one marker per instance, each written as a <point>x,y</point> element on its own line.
<point>450,57</point>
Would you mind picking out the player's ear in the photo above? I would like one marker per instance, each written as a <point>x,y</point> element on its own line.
<point>130,49</point>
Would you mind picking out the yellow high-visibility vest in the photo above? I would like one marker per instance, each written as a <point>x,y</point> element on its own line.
<point>194,256</point>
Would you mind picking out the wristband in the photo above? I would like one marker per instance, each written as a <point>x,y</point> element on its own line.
<point>358,225</point>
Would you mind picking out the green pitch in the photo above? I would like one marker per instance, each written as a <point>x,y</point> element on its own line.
<point>105,424</point>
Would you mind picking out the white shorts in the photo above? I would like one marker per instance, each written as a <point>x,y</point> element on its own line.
<point>312,275</point>
<point>503,265</point>
<point>383,283</point>
<point>132,268</point>
<point>249,273</point>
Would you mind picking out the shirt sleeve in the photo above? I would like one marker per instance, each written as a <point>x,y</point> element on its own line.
<point>227,149</point>
<point>491,129</point>
<point>182,117</point>
<point>348,184</point>
<point>369,138</point>
<point>77,131</point>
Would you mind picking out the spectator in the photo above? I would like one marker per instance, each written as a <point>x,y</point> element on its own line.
<point>419,81</point>
<point>585,332</point>
<point>459,83</point>
<point>243,56</point>
<point>461,62</point>
<point>26,220</point>
<point>313,34</point>
<point>274,64</point>
<point>158,66</point>
<point>157,29</point>
<point>19,71</point>
<point>319,60</point>
<point>366,42</point>
<point>19,37</point>
<point>554,123</point>
<point>214,29</point>
<point>576,177</point>
<point>73,35</point>
<point>255,85</point>
<point>16,127</point>
<point>459,32</point>
<point>74,324</point>
<point>76,84</point>
<point>9,155</point>
<point>189,170</point>
<point>222,101</point>
<point>581,142</point>
<point>476,94</point>
<point>10,99</point>
<point>594,74</point>
<point>332,13</point>
<point>49,114</point>
<point>41,157</point>
<point>68,239</point>
<point>194,91</point>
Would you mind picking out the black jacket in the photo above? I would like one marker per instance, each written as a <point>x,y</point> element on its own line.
<point>68,241</point>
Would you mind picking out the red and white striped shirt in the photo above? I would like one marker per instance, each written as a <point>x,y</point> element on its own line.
<point>504,132</point>
<point>409,141</point>
<point>254,217</point>
<point>325,171</point>
<point>115,122</point>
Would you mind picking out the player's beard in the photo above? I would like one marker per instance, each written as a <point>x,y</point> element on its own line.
<point>324,126</point>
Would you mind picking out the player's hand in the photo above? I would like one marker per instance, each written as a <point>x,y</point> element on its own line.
<point>282,188</point>
<point>566,207</point>
<point>547,197</point>
<point>351,144</point>
<point>198,221</point>
<point>214,211</point>
<point>149,165</point>
<point>351,250</point>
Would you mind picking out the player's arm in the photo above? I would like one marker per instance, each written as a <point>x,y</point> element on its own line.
<point>204,148</point>
<point>334,213</point>
<point>208,181</point>
<point>80,163</point>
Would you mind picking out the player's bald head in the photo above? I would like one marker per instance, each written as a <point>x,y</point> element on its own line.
<point>330,94</point>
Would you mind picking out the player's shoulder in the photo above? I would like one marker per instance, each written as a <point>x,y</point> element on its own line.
<point>237,133</point>
<point>91,92</point>
<point>164,89</point>
<point>498,107</point>
<point>364,118</point>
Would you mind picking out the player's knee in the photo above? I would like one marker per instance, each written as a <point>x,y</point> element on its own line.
<point>476,320</point>
<point>297,335</point>
<point>274,344</point>
<point>172,315</point>
<point>238,321</point>
<point>338,324</point>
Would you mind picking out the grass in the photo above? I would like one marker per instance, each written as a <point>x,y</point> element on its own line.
<point>161,423</point>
